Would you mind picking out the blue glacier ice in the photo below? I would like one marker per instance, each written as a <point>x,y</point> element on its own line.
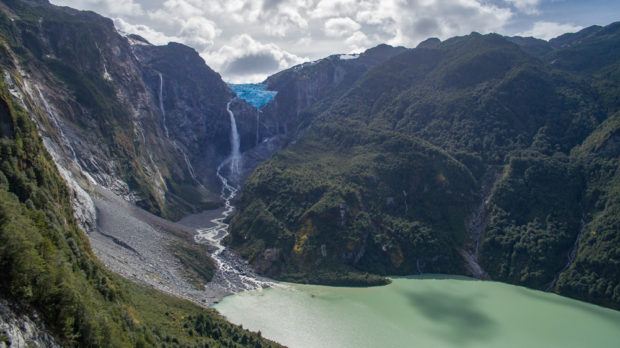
<point>256,94</point>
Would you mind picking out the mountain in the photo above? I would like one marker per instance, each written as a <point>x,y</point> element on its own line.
<point>470,156</point>
<point>50,274</point>
<point>93,126</point>
<point>124,111</point>
<point>318,82</point>
<point>482,155</point>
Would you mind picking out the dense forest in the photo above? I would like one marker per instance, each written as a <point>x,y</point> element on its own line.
<point>480,155</point>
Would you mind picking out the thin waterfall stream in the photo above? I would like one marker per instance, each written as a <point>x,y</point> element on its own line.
<point>188,164</point>
<point>161,104</point>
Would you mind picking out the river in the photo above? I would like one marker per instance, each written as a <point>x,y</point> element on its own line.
<point>422,312</point>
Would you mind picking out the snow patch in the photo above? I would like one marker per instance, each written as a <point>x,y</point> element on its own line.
<point>348,56</point>
<point>106,74</point>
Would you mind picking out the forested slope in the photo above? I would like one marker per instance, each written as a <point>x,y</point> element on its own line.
<point>477,153</point>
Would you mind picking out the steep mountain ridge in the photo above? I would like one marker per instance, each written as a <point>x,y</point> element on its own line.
<point>338,202</point>
<point>193,103</point>
<point>79,107</point>
<point>104,90</point>
<point>50,273</point>
<point>316,83</point>
<point>480,155</point>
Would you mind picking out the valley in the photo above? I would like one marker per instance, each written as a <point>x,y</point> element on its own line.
<point>444,194</point>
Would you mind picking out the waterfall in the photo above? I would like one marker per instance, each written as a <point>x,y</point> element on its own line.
<point>477,223</point>
<point>235,155</point>
<point>161,103</point>
<point>230,272</point>
<point>188,164</point>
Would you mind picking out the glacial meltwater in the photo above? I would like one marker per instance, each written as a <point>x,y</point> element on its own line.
<point>422,312</point>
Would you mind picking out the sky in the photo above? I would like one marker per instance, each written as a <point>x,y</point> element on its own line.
<point>247,40</point>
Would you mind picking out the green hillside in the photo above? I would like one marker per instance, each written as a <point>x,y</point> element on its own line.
<point>388,178</point>
<point>47,265</point>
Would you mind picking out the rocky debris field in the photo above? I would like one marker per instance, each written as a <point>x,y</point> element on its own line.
<point>137,245</point>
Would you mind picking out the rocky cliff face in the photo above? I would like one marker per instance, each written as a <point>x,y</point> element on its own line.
<point>19,330</point>
<point>314,84</point>
<point>147,122</point>
<point>82,103</point>
<point>192,104</point>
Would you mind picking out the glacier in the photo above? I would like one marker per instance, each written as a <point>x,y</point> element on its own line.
<point>255,94</point>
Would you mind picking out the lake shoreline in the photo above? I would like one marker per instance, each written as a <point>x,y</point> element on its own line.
<point>434,310</point>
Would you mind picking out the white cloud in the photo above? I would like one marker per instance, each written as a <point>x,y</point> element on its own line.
<point>407,22</point>
<point>182,9</point>
<point>245,59</point>
<point>107,7</point>
<point>549,30</point>
<point>526,6</point>
<point>411,21</point>
<point>174,12</point>
<point>240,11</point>
<point>283,20</point>
<point>342,26</point>
<point>199,32</point>
<point>285,30</point>
<point>358,41</point>
<point>153,36</point>
<point>335,8</point>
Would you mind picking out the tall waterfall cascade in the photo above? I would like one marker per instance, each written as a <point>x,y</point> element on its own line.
<point>235,145</point>
<point>258,96</point>
<point>235,276</point>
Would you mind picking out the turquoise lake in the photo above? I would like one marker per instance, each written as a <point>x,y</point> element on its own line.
<point>422,312</point>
